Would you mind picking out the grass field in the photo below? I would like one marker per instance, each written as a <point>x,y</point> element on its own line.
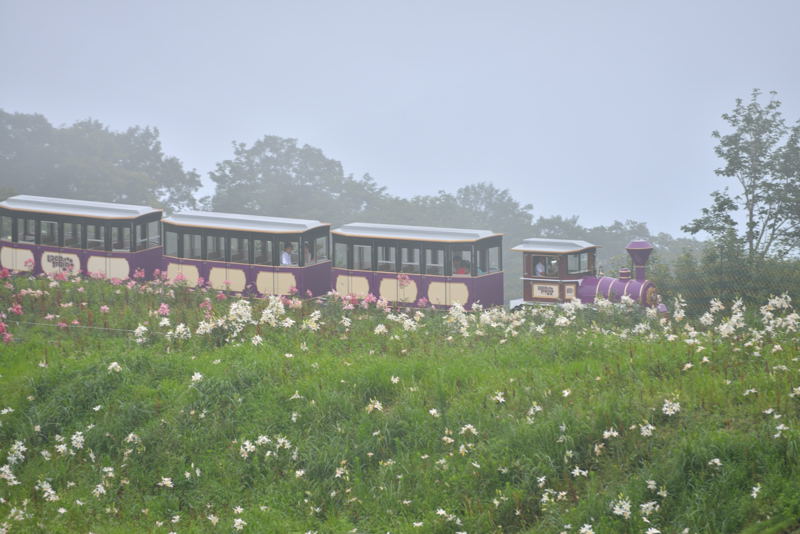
<point>146,407</point>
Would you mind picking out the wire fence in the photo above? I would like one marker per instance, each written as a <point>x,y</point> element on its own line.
<point>72,326</point>
<point>754,284</point>
<point>19,334</point>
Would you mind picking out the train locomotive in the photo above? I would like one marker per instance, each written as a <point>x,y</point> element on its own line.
<point>561,270</point>
<point>256,255</point>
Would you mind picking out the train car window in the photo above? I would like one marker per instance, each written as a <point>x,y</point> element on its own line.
<point>192,247</point>
<point>289,251</point>
<point>72,234</point>
<point>48,233</point>
<point>262,251</point>
<point>494,259</point>
<point>26,230</point>
<point>340,255</point>
<point>409,259</point>
<point>546,266</point>
<point>215,248</point>
<point>387,259</point>
<point>6,225</point>
<point>462,261</point>
<point>148,235</point>
<point>362,257</point>
<point>488,260</point>
<point>140,236</point>
<point>120,238</point>
<point>434,260</point>
<point>95,237</point>
<point>578,263</point>
<point>171,243</point>
<point>153,234</point>
<point>240,251</point>
<point>321,248</point>
<point>309,254</point>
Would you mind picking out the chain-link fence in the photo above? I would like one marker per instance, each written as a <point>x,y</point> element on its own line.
<point>753,282</point>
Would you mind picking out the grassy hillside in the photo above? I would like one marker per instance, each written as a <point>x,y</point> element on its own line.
<point>282,416</point>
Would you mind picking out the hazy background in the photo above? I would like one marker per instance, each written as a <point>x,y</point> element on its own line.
<point>597,109</point>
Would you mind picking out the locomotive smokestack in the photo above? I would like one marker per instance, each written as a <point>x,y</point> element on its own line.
<point>640,253</point>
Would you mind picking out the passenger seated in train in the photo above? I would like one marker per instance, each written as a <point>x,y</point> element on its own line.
<point>286,255</point>
<point>460,267</point>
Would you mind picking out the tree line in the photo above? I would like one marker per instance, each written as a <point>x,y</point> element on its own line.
<point>753,225</point>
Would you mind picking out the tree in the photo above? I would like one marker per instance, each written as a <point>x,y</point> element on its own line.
<point>480,205</point>
<point>558,227</point>
<point>277,177</point>
<point>762,155</point>
<point>90,162</point>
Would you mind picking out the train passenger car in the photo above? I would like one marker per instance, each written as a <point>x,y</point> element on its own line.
<point>417,265</point>
<point>248,253</point>
<point>560,270</point>
<point>56,235</point>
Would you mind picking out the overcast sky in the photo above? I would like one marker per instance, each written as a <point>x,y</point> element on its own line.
<point>592,108</point>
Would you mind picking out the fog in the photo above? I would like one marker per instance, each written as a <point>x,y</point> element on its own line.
<point>598,109</point>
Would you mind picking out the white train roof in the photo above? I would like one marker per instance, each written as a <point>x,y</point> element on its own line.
<point>77,208</point>
<point>239,222</point>
<point>557,246</point>
<point>415,233</point>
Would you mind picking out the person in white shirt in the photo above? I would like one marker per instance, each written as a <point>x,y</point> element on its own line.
<point>539,270</point>
<point>286,255</point>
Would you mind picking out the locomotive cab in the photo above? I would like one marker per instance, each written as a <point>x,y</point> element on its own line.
<point>553,269</point>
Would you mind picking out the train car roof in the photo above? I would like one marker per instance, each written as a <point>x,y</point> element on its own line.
<point>557,246</point>
<point>242,223</point>
<point>76,208</point>
<point>412,233</point>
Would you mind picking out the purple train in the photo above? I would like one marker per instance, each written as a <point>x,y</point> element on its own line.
<point>407,265</point>
<point>560,270</point>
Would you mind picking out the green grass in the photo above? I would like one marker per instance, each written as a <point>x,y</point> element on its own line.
<point>397,470</point>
